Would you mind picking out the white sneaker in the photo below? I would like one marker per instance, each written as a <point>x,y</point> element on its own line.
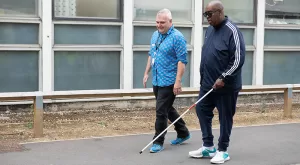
<point>203,152</point>
<point>220,157</point>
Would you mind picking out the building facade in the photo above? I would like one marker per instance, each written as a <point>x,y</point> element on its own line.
<point>55,45</point>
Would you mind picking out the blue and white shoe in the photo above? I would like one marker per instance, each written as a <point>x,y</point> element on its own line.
<point>178,141</point>
<point>203,152</point>
<point>220,158</point>
<point>156,148</point>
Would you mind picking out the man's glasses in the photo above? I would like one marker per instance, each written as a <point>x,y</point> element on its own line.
<point>209,13</point>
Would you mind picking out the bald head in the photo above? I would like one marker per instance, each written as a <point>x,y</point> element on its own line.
<point>214,12</point>
<point>216,5</point>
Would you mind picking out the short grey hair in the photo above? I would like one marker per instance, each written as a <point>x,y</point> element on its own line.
<point>165,11</point>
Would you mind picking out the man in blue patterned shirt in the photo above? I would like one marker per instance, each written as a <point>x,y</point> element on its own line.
<point>167,59</point>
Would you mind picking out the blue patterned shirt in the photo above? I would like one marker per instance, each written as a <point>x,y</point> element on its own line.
<point>166,50</point>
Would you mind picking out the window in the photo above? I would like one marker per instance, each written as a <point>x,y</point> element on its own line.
<point>145,10</point>
<point>87,34</point>
<point>139,64</point>
<point>22,8</point>
<point>24,77</point>
<point>282,12</point>
<point>143,34</point>
<point>247,70</point>
<point>86,70</point>
<point>239,11</point>
<point>281,68</point>
<point>282,37</point>
<point>92,9</point>
<point>19,33</point>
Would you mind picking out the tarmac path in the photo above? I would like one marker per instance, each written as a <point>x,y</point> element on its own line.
<point>255,145</point>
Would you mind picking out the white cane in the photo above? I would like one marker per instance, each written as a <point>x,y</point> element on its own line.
<point>177,119</point>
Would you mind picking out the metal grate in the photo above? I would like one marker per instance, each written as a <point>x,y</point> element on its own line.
<point>65,8</point>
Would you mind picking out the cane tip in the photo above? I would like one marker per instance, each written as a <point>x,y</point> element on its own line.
<point>141,152</point>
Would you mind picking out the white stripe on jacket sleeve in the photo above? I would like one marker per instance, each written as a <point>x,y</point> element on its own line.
<point>237,53</point>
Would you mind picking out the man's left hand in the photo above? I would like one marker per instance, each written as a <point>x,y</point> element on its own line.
<point>218,84</point>
<point>177,88</point>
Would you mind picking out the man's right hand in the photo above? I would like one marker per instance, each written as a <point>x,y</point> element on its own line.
<point>145,80</point>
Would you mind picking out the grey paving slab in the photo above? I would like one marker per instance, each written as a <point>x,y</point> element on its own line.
<point>259,145</point>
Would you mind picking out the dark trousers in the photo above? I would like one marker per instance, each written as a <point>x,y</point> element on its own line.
<point>164,111</point>
<point>226,105</point>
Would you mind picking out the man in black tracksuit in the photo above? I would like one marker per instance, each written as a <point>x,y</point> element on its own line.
<point>222,58</point>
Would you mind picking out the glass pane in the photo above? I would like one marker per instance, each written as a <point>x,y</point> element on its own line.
<point>239,11</point>
<point>247,69</point>
<point>87,34</point>
<point>87,8</point>
<point>139,64</point>
<point>75,70</point>
<point>146,10</point>
<point>143,34</point>
<point>19,33</point>
<point>19,71</point>
<point>282,12</point>
<point>281,68</point>
<point>247,33</point>
<point>281,37</point>
<point>18,8</point>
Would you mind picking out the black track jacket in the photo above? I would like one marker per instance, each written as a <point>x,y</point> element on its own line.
<point>223,55</point>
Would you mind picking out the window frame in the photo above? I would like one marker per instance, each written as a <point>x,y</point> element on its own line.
<point>189,43</point>
<point>37,15</point>
<point>120,8</point>
<point>186,22</point>
<point>88,24</point>
<point>280,50</point>
<point>39,39</point>
<point>278,47</point>
<point>282,26</point>
<point>37,49</point>
<point>249,24</point>
<point>86,49</point>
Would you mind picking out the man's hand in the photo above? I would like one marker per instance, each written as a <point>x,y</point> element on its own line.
<point>218,84</point>
<point>145,80</point>
<point>177,88</point>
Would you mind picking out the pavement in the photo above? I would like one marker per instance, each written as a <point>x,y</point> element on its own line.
<point>255,145</point>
